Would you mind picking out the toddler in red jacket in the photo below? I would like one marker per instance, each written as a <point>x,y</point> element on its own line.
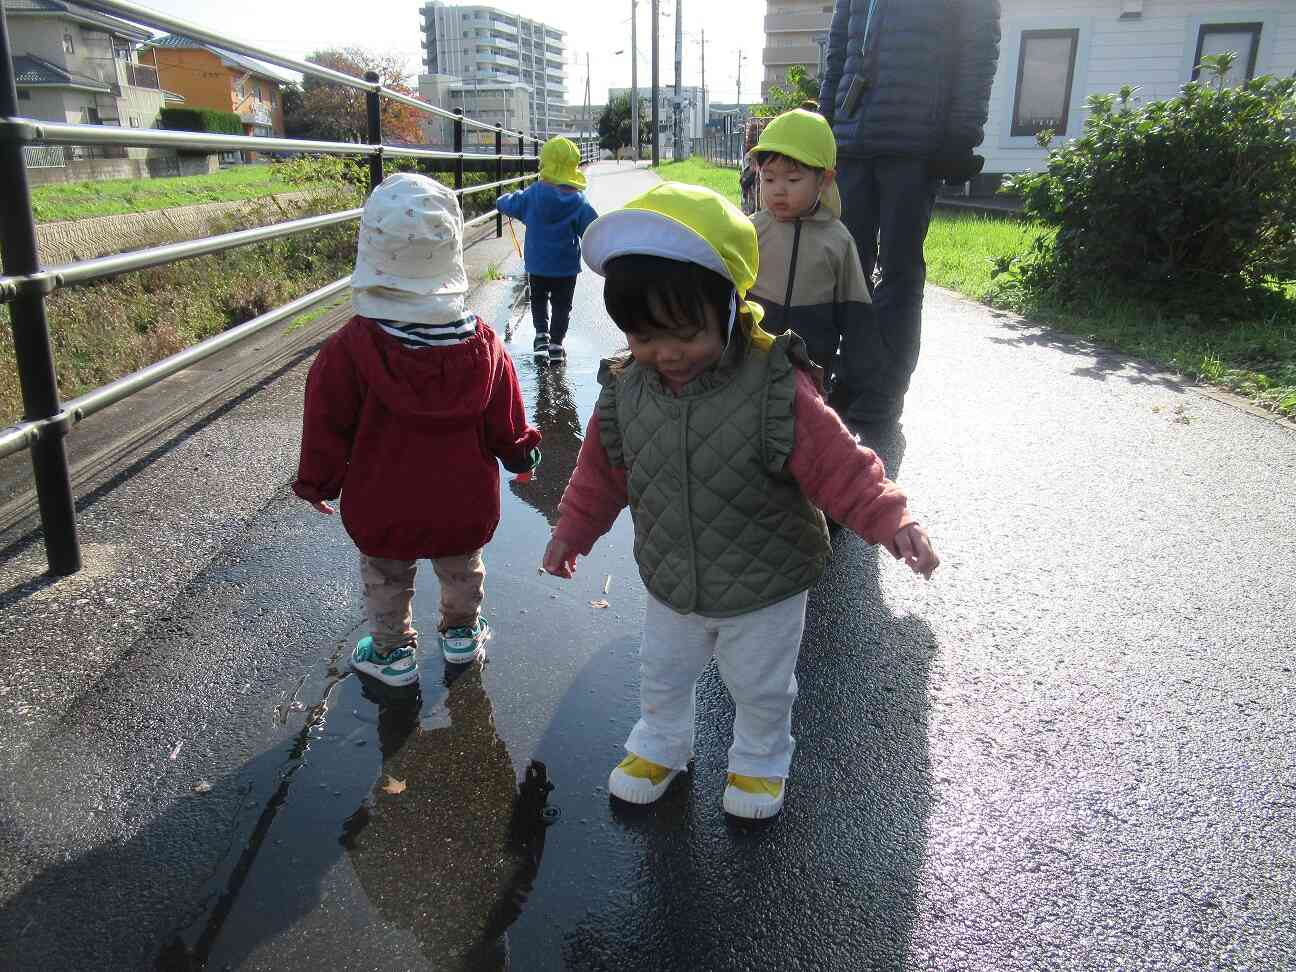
<point>408,407</point>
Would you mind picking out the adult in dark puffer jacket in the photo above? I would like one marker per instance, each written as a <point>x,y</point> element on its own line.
<point>907,90</point>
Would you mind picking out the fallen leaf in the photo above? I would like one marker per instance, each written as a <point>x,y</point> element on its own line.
<point>202,786</point>
<point>600,603</point>
<point>394,786</point>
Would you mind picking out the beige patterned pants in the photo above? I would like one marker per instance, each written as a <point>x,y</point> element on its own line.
<point>389,595</point>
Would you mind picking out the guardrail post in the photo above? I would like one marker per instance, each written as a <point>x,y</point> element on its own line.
<point>499,177</point>
<point>458,147</point>
<point>32,350</point>
<point>373,106</point>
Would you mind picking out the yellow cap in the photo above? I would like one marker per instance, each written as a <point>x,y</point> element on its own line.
<point>806,137</point>
<point>560,163</point>
<point>681,222</point>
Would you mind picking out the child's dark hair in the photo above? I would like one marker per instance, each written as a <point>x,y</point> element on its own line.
<point>764,157</point>
<point>637,283</point>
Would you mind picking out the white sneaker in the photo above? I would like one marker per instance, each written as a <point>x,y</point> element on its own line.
<point>638,780</point>
<point>754,797</point>
<point>461,646</point>
<point>398,667</point>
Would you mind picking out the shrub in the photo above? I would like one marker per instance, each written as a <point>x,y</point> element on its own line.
<point>1188,197</point>
<point>202,120</point>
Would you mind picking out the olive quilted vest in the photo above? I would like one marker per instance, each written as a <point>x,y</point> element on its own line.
<point>721,528</point>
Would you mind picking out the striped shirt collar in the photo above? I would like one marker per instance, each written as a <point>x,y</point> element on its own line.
<point>431,335</point>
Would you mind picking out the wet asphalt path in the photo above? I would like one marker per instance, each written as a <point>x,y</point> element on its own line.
<point>1072,750</point>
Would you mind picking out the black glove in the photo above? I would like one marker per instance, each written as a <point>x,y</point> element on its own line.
<point>954,166</point>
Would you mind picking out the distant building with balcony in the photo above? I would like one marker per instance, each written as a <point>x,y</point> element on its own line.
<point>796,33</point>
<point>504,103</point>
<point>210,78</point>
<point>76,66</point>
<point>486,45</point>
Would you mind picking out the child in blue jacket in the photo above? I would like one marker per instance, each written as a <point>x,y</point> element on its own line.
<point>555,213</point>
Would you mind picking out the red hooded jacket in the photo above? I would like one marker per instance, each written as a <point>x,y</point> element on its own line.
<point>410,436</point>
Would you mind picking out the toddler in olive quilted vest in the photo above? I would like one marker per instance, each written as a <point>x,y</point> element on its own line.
<point>716,436</point>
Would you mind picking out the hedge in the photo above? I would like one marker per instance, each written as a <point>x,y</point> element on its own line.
<point>202,120</point>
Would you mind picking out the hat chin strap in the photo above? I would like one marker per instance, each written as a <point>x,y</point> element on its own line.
<point>733,316</point>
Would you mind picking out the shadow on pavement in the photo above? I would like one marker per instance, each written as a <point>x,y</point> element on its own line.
<point>1107,362</point>
<point>222,875</point>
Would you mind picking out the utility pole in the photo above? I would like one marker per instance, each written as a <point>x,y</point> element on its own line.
<point>588,122</point>
<point>634,80</point>
<point>738,93</point>
<point>679,154</point>
<point>656,82</point>
<point>706,113</point>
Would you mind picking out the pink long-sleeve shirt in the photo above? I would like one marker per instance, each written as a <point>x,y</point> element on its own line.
<point>844,479</point>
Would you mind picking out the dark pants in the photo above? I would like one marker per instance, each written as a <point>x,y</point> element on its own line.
<point>887,206</point>
<point>555,290</point>
<point>821,333</point>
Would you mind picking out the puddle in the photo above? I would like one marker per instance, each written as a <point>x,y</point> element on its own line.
<point>442,867</point>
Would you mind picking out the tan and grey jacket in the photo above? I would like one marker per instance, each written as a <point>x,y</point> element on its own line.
<point>817,257</point>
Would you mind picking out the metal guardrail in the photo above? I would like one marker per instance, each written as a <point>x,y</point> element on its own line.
<point>25,285</point>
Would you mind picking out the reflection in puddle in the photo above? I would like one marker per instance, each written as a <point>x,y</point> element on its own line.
<point>559,422</point>
<point>450,859</point>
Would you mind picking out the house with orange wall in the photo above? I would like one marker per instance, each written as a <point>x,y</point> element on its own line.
<point>208,77</point>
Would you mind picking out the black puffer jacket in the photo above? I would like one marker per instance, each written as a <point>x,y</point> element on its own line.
<point>913,79</point>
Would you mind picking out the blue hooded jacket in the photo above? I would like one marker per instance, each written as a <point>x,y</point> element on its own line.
<point>556,219</point>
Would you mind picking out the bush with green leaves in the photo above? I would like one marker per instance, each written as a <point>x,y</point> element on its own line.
<point>1187,197</point>
<point>202,120</point>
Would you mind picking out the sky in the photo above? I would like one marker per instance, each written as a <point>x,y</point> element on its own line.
<point>298,27</point>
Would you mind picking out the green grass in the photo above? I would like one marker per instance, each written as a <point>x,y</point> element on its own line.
<point>1254,358</point>
<point>315,313</point>
<point>79,200</point>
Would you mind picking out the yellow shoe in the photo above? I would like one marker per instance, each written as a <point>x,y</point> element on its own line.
<point>638,780</point>
<point>754,797</point>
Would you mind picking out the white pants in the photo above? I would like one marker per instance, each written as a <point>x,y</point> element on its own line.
<point>756,654</point>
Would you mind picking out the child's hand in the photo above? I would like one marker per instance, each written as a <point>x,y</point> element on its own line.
<point>559,559</point>
<point>324,507</point>
<point>912,545</point>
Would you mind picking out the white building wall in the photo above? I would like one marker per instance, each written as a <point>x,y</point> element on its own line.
<point>1155,53</point>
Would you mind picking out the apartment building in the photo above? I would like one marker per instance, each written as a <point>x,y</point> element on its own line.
<point>796,32</point>
<point>78,66</point>
<point>505,103</point>
<point>221,81</point>
<point>485,44</point>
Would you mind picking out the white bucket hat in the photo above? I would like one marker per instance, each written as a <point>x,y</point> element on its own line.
<point>409,258</point>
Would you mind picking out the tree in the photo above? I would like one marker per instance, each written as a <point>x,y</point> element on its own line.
<point>614,128</point>
<point>334,112</point>
<point>798,87</point>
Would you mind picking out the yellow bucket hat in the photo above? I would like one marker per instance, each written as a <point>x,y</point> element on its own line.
<point>807,137</point>
<point>681,222</point>
<point>560,163</point>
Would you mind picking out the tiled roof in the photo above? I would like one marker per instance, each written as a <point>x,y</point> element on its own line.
<point>31,70</point>
<point>79,13</point>
<point>233,60</point>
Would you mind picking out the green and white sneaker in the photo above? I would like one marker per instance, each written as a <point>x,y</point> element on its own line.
<point>461,646</point>
<point>398,667</point>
